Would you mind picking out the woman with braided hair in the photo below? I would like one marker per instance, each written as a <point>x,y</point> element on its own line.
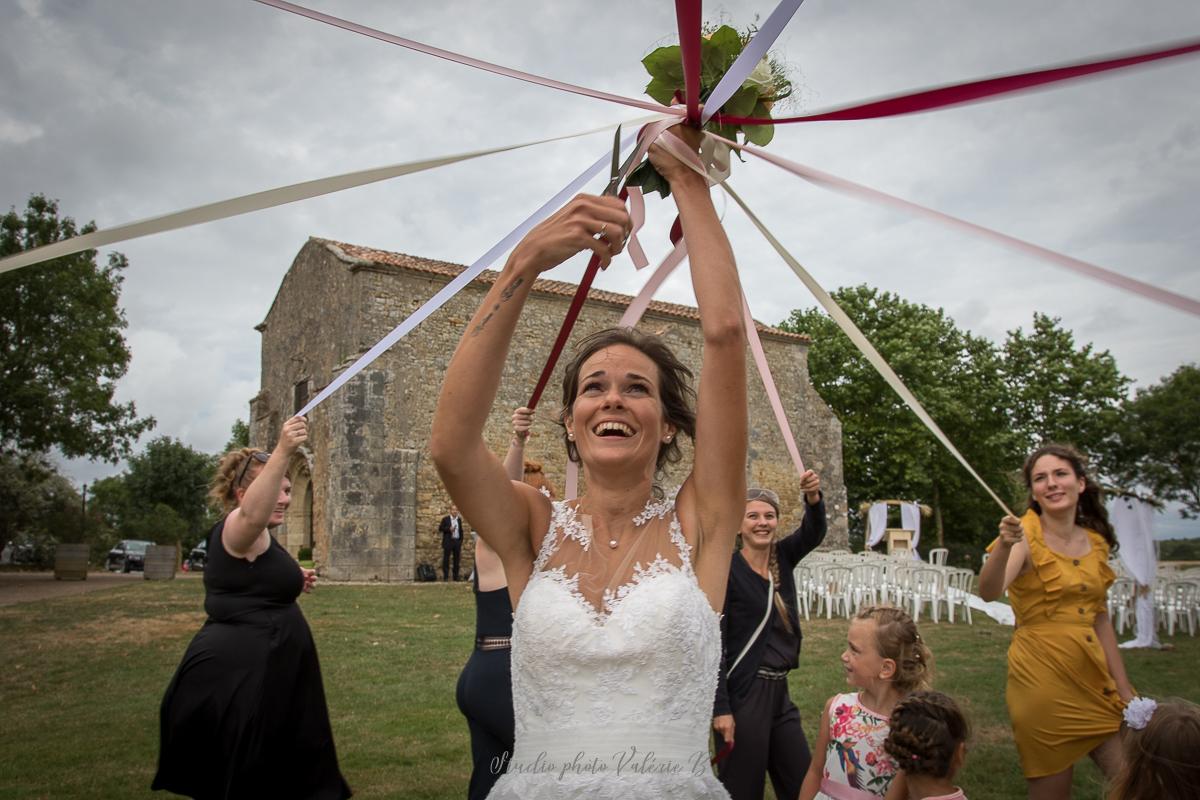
<point>928,740</point>
<point>760,633</point>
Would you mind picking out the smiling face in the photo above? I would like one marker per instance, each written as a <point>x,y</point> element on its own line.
<point>281,502</point>
<point>759,524</point>
<point>617,417</point>
<point>862,661</point>
<point>1054,485</point>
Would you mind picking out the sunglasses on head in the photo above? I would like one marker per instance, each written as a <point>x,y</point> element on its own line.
<point>260,456</point>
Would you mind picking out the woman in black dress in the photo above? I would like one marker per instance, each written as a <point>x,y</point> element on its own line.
<point>760,637</point>
<point>245,714</point>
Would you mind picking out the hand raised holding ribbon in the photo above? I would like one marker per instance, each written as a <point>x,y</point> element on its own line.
<point>667,156</point>
<point>599,224</point>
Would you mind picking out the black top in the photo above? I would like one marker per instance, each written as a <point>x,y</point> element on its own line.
<point>235,587</point>
<point>746,602</point>
<point>493,611</point>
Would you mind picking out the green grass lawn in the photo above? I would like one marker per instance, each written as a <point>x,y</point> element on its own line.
<point>81,680</point>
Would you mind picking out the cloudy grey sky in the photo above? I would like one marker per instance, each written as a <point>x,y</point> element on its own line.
<point>124,109</point>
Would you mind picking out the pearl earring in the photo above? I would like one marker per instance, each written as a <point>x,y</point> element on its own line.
<point>570,436</point>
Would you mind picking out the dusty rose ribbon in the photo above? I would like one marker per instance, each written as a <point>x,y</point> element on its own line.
<point>974,91</point>
<point>764,372</point>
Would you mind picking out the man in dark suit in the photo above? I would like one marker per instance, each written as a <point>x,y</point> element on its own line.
<point>453,528</point>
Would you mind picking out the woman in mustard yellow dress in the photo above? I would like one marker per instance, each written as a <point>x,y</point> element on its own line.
<point>1067,686</point>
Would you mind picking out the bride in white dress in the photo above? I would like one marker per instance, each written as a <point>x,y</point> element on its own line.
<point>616,643</point>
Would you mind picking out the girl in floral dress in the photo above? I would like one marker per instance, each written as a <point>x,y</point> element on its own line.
<point>885,660</point>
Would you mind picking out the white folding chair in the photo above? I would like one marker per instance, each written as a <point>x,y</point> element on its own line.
<point>1179,600</point>
<point>925,585</point>
<point>864,579</point>
<point>959,583</point>
<point>938,556</point>
<point>1120,602</point>
<point>835,583</point>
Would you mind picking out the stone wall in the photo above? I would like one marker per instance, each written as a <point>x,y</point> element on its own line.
<point>377,498</point>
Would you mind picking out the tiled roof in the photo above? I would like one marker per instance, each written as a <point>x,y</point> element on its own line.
<point>546,286</point>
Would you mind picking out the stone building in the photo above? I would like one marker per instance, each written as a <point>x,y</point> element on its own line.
<point>366,497</point>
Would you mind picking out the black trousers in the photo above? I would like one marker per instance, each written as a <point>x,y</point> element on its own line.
<point>484,696</point>
<point>767,739</point>
<point>456,550</point>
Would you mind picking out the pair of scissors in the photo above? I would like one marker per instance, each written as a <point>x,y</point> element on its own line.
<point>618,169</point>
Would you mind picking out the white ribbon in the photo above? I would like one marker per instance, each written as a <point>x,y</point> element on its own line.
<point>270,198</point>
<point>864,346</point>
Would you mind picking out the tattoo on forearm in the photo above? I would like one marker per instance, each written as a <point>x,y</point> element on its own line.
<point>508,291</point>
<point>506,294</point>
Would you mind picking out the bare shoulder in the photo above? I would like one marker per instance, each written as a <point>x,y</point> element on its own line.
<point>541,509</point>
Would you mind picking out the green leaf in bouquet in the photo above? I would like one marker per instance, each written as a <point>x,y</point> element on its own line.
<point>662,90</point>
<point>648,178</point>
<point>728,42</point>
<point>760,135</point>
<point>666,64</point>
<point>742,102</point>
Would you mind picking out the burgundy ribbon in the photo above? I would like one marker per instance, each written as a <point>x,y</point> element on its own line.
<point>687,14</point>
<point>564,332</point>
<point>972,91</point>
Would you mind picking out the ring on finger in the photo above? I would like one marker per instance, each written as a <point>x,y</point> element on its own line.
<point>600,233</point>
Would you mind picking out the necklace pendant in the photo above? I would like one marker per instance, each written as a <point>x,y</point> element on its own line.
<point>612,543</point>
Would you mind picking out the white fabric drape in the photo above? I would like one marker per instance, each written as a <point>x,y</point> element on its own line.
<point>876,523</point>
<point>910,519</point>
<point>1133,521</point>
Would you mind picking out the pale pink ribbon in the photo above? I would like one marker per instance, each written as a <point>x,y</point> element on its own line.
<point>764,372</point>
<point>815,176</point>
<point>459,58</point>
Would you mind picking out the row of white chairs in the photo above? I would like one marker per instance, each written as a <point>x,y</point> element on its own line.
<point>832,583</point>
<point>1176,602</point>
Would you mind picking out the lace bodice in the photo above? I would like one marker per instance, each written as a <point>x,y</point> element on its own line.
<point>613,680</point>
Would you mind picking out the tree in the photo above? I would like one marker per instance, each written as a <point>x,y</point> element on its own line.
<point>1160,442</point>
<point>61,346</point>
<point>1062,393</point>
<point>239,436</point>
<point>887,452</point>
<point>37,504</point>
<point>169,473</point>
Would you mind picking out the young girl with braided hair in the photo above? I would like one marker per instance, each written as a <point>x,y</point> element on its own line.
<point>886,660</point>
<point>928,742</point>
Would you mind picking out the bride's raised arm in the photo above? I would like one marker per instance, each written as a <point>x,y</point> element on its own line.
<point>712,500</point>
<point>503,511</point>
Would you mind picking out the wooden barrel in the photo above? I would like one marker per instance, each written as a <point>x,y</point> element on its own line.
<point>160,562</point>
<point>71,562</point>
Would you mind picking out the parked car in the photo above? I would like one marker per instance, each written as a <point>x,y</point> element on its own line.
<point>128,555</point>
<point>197,558</point>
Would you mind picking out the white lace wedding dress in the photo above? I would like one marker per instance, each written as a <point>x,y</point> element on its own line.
<point>613,682</point>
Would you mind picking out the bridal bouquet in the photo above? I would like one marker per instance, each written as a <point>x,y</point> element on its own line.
<point>719,48</point>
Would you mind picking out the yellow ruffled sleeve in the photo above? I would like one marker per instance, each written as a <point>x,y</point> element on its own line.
<point>1049,570</point>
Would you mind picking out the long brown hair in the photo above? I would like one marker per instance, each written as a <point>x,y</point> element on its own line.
<point>1160,760</point>
<point>1090,511</point>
